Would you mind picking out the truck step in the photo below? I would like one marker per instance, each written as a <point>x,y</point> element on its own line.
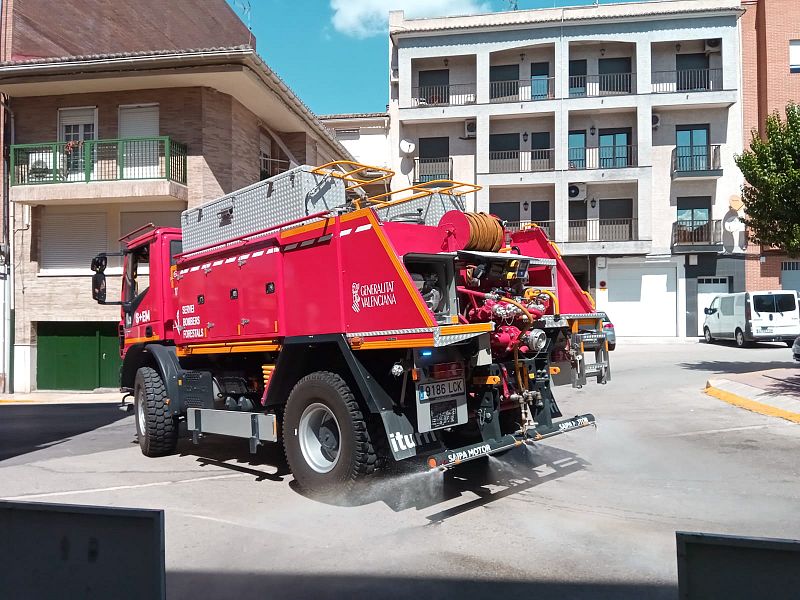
<point>594,369</point>
<point>256,427</point>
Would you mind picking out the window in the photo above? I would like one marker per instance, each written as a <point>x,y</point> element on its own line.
<point>691,148</point>
<point>774,303</point>
<point>614,75</point>
<point>434,159</point>
<point>726,306</point>
<point>434,86</point>
<point>794,56</point>
<point>540,80</point>
<point>577,149</point>
<point>692,71</point>
<point>504,81</point>
<point>507,211</point>
<point>615,148</point>
<point>70,240</point>
<point>577,77</point>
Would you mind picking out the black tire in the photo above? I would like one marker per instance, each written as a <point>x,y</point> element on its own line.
<point>156,427</point>
<point>739,338</point>
<point>707,336</point>
<point>348,459</point>
<point>612,346</point>
<point>789,344</point>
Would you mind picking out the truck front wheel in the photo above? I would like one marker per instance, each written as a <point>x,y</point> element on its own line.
<point>325,435</point>
<point>155,425</point>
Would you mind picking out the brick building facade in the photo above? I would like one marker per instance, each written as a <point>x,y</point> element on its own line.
<point>768,28</point>
<point>132,118</point>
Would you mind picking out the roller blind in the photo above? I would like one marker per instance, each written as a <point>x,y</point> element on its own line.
<point>71,240</point>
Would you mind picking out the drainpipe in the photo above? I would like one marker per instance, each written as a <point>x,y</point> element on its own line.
<point>6,332</point>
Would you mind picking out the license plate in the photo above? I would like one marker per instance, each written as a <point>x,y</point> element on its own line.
<point>444,414</point>
<point>765,329</point>
<point>440,389</point>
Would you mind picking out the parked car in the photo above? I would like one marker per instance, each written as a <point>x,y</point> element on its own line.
<point>796,349</point>
<point>768,316</point>
<point>608,328</point>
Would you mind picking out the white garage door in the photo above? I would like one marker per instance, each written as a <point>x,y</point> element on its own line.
<point>708,288</point>
<point>790,275</point>
<point>642,299</point>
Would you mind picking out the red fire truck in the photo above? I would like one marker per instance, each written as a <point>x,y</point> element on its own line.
<point>355,327</point>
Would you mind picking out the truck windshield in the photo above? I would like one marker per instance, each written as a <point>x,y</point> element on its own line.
<point>772,303</point>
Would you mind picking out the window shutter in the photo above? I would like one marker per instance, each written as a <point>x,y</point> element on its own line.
<point>138,121</point>
<point>71,240</point>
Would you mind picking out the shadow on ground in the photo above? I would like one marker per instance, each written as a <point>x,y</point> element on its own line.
<point>285,586</point>
<point>724,366</point>
<point>25,428</point>
<point>786,386</point>
<point>267,464</point>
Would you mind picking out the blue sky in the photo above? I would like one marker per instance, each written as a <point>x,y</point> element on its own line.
<point>334,53</point>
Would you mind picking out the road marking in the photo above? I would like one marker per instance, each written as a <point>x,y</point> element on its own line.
<point>708,431</point>
<point>752,405</point>
<point>124,487</point>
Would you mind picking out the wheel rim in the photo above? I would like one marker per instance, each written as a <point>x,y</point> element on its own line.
<point>707,335</point>
<point>739,338</point>
<point>319,437</point>
<point>140,402</point>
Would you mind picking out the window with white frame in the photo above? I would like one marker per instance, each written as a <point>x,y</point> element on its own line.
<point>794,56</point>
<point>69,240</point>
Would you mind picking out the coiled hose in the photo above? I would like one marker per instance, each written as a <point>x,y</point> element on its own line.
<point>485,233</point>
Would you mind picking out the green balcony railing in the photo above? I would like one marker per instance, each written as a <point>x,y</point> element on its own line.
<point>98,160</point>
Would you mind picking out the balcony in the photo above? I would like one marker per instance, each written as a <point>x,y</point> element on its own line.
<point>547,226</point>
<point>523,90</point>
<point>603,157</point>
<point>47,173</point>
<point>686,80</point>
<point>432,169</point>
<point>456,94</point>
<point>607,84</point>
<point>696,234</point>
<point>525,161</point>
<point>692,162</point>
<point>603,230</point>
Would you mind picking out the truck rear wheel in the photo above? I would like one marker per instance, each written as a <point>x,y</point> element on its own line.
<point>155,425</point>
<point>325,435</point>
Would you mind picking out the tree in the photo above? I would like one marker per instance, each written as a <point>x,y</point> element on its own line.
<point>771,195</point>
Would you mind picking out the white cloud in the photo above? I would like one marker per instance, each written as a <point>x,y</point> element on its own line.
<point>364,18</point>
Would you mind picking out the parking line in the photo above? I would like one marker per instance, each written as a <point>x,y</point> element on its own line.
<point>123,487</point>
<point>752,405</point>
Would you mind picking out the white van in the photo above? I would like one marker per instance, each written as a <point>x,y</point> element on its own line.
<point>771,316</point>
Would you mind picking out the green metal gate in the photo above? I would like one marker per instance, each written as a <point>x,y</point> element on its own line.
<point>77,356</point>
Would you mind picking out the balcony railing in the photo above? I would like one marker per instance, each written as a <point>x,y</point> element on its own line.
<point>603,157</point>
<point>98,160</point>
<point>270,167</point>
<point>546,226</point>
<point>523,90</point>
<point>454,94</point>
<point>431,169</point>
<point>696,160</point>
<point>603,230</point>
<point>686,80</point>
<point>607,84</point>
<point>703,233</point>
<point>521,161</point>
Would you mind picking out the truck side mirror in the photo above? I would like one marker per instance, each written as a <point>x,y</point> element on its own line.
<point>99,263</point>
<point>99,285</point>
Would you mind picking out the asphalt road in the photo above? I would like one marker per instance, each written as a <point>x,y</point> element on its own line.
<point>591,514</point>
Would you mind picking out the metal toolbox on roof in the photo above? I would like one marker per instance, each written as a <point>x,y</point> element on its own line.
<point>287,196</point>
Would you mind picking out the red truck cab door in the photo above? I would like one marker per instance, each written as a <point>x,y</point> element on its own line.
<point>148,296</point>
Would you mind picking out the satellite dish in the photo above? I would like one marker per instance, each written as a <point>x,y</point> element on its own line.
<point>407,147</point>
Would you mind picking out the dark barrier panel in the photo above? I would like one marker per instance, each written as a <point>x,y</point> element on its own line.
<point>91,552</point>
<point>732,568</point>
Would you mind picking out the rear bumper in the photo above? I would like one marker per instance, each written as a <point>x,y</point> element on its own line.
<point>451,458</point>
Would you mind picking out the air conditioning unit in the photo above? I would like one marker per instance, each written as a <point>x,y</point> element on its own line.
<point>713,45</point>
<point>656,120</point>
<point>577,191</point>
<point>470,128</point>
<point>40,165</point>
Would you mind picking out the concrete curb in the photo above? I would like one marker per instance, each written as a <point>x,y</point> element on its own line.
<point>35,398</point>
<point>754,399</point>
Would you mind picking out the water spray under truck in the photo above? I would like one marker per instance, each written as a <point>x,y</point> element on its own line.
<point>354,325</point>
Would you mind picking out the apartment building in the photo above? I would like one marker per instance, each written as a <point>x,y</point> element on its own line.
<point>614,127</point>
<point>130,121</point>
<point>365,135</point>
<point>771,78</point>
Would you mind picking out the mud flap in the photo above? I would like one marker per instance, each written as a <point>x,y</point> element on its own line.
<point>404,441</point>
